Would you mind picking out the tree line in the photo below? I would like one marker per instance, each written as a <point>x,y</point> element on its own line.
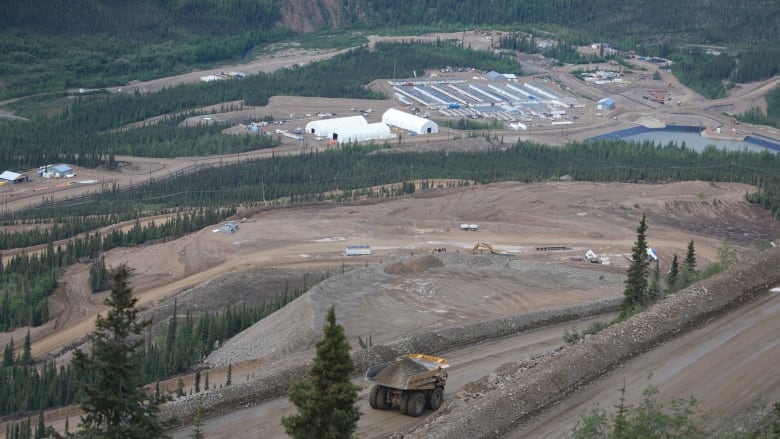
<point>29,385</point>
<point>27,279</point>
<point>343,174</point>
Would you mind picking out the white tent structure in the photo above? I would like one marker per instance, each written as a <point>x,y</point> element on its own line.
<point>326,127</point>
<point>409,122</point>
<point>360,133</point>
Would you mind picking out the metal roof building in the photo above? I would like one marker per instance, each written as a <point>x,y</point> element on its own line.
<point>605,104</point>
<point>409,122</point>
<point>13,177</point>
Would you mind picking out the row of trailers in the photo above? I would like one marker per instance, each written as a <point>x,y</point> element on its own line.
<point>504,101</point>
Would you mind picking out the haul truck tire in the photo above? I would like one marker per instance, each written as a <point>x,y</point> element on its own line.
<point>377,399</point>
<point>436,399</point>
<point>372,396</point>
<point>415,406</point>
<point>404,402</point>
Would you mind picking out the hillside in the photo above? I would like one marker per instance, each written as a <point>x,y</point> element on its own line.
<point>698,21</point>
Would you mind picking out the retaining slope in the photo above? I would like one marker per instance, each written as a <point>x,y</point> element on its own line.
<point>500,410</point>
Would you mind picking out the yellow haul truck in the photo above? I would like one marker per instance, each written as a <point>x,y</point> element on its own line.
<point>412,382</point>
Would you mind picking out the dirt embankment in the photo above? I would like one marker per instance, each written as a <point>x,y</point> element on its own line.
<point>495,408</point>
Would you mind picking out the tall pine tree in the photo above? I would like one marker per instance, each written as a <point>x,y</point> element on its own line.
<point>690,259</point>
<point>636,294</point>
<point>113,398</point>
<point>326,401</point>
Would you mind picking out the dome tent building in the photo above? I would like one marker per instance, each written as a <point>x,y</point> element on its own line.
<point>360,133</point>
<point>409,122</point>
<point>328,127</point>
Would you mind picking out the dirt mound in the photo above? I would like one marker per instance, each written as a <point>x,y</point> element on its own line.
<point>406,296</point>
<point>418,265</point>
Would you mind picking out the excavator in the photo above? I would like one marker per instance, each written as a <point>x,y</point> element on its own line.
<point>484,246</point>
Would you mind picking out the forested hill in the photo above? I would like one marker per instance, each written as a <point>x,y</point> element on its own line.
<point>725,22</point>
<point>139,20</point>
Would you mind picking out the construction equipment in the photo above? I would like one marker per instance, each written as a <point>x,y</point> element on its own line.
<point>482,246</point>
<point>592,257</point>
<point>652,256</point>
<point>412,383</point>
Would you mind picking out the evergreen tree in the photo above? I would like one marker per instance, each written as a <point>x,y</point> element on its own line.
<point>690,259</point>
<point>636,292</point>
<point>654,290</point>
<point>326,401</point>
<point>27,358</point>
<point>674,274</point>
<point>113,399</point>
<point>8,354</point>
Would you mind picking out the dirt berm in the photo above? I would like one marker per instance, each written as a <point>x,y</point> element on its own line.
<point>494,407</point>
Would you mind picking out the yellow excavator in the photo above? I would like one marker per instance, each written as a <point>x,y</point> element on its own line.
<point>485,247</point>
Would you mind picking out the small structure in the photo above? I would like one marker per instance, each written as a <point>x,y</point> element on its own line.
<point>358,250</point>
<point>56,171</point>
<point>13,177</point>
<point>605,104</point>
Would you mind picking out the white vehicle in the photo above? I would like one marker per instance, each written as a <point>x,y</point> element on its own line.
<point>592,257</point>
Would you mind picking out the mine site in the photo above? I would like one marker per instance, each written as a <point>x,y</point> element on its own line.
<point>486,277</point>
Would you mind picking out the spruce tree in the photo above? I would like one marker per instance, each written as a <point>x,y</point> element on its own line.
<point>27,358</point>
<point>8,354</point>
<point>654,292</point>
<point>690,259</point>
<point>674,274</point>
<point>326,400</point>
<point>112,395</point>
<point>636,292</point>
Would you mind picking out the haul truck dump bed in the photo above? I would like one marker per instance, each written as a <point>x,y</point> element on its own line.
<point>411,382</point>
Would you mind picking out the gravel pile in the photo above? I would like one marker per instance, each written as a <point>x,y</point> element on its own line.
<point>284,340</point>
<point>396,374</point>
<point>502,401</point>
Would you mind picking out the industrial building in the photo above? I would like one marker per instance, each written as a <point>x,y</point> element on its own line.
<point>409,122</point>
<point>605,104</point>
<point>361,133</point>
<point>348,129</point>
<point>56,171</point>
<point>13,177</point>
<point>329,127</point>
